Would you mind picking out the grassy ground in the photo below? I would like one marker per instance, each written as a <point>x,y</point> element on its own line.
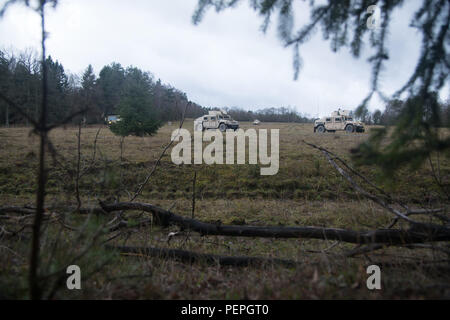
<point>306,191</point>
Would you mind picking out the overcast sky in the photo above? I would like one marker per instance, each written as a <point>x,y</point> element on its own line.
<point>224,61</point>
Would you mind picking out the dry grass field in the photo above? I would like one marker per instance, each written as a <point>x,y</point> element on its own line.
<point>307,191</point>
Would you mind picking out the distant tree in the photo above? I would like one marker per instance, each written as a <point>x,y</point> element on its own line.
<point>362,114</point>
<point>23,84</point>
<point>445,111</point>
<point>19,80</point>
<point>172,103</point>
<point>281,114</point>
<point>376,117</point>
<point>5,79</point>
<point>158,92</point>
<point>138,116</point>
<point>58,88</point>
<point>88,79</point>
<point>392,112</point>
<point>195,110</point>
<point>89,96</point>
<point>110,82</point>
<point>21,76</point>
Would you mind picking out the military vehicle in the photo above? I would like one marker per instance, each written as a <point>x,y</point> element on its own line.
<point>215,120</point>
<point>112,119</point>
<point>340,120</point>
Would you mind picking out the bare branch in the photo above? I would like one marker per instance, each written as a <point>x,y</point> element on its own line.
<point>147,179</point>
<point>77,177</point>
<point>19,210</point>
<point>358,188</point>
<point>193,194</point>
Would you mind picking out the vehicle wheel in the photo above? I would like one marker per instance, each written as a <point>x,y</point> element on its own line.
<point>349,128</point>
<point>199,127</point>
<point>223,127</point>
<point>320,129</point>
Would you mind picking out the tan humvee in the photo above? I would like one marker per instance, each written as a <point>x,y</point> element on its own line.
<point>340,120</point>
<point>215,120</point>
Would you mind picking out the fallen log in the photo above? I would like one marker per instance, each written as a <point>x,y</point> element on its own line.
<point>18,210</point>
<point>30,210</point>
<point>192,257</point>
<point>416,234</point>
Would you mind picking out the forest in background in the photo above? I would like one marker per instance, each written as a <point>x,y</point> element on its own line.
<point>21,76</point>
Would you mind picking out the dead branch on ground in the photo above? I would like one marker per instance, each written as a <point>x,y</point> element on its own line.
<point>419,234</point>
<point>191,257</point>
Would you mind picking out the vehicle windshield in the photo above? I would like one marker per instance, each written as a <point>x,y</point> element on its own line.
<point>112,118</point>
<point>226,117</point>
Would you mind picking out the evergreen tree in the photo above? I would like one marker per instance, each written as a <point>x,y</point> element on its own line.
<point>376,116</point>
<point>88,79</point>
<point>58,88</point>
<point>5,80</point>
<point>138,116</point>
<point>89,96</point>
<point>20,81</point>
<point>110,83</point>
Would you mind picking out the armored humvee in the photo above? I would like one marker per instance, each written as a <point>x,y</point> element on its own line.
<point>215,120</point>
<point>340,120</point>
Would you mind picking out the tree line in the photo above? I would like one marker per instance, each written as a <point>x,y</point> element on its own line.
<point>102,95</point>
<point>394,109</point>
<point>130,90</point>
<point>115,90</point>
<point>282,114</point>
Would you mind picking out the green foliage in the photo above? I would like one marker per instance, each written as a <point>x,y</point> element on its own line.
<point>376,117</point>
<point>414,139</point>
<point>281,114</point>
<point>20,81</point>
<point>138,116</point>
<point>88,81</point>
<point>58,89</point>
<point>110,82</point>
<point>362,113</point>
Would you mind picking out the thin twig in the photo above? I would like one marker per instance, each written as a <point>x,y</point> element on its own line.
<point>77,177</point>
<point>147,179</point>
<point>359,189</point>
